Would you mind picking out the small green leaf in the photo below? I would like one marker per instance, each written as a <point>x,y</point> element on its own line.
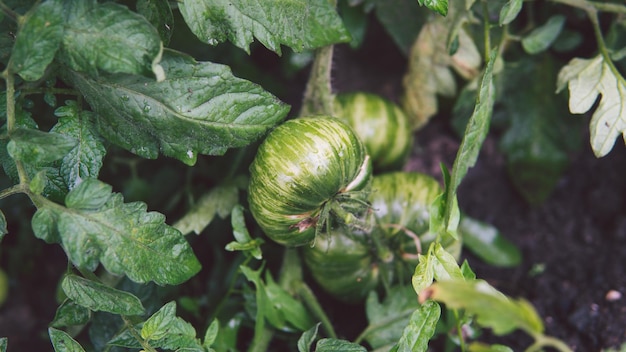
<point>44,224</point>
<point>492,308</point>
<point>124,237</point>
<point>307,338</point>
<point>38,147</point>
<point>220,201</point>
<point>424,272</point>
<point>38,183</point>
<point>481,347</point>
<point>156,327</point>
<point>109,37</point>
<point>474,136</point>
<point>70,313</point>
<point>159,14</point>
<point>439,6</point>
<point>240,231</point>
<point>445,267</point>
<point>387,319</point>
<point>420,328</point>
<point>211,334</point>
<point>165,330</point>
<point>3,225</point>
<point>63,342</point>
<point>294,311</point>
<point>37,41</point>
<point>263,306</point>
<point>542,37</point>
<point>201,108</point>
<point>299,24</point>
<point>4,342</point>
<point>338,345</point>
<point>487,242</point>
<point>586,79</point>
<point>100,297</point>
<point>85,159</point>
<point>509,11</point>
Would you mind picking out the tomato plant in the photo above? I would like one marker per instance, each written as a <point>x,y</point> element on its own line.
<point>128,126</point>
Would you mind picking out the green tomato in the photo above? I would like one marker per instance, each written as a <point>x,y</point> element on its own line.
<point>401,205</point>
<point>344,265</point>
<point>349,264</point>
<point>382,126</point>
<point>307,171</point>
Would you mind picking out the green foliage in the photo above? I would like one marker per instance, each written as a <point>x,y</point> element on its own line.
<point>144,106</point>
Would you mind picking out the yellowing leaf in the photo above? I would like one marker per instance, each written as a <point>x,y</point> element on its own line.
<point>429,71</point>
<point>586,79</point>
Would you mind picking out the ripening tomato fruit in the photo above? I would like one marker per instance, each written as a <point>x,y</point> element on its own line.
<point>307,172</point>
<point>382,126</point>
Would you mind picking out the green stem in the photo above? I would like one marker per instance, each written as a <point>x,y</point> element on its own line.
<point>11,120</point>
<point>459,331</point>
<point>486,30</point>
<point>261,341</point>
<point>13,190</point>
<point>309,299</point>
<point>9,12</point>
<point>542,341</point>
<point>144,344</point>
<point>318,97</point>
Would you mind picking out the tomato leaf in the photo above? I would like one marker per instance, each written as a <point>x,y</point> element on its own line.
<point>402,20</point>
<point>243,240</point>
<point>4,342</point>
<point>509,11</point>
<point>99,297</point>
<point>63,342</point>
<point>420,329</point>
<point>424,271</point>
<point>294,311</point>
<point>299,24</point>
<point>542,37</point>
<point>586,79</point>
<point>37,147</point>
<point>220,201</point>
<point>492,308</point>
<point>445,267</point>
<point>85,159</point>
<point>70,313</point>
<point>200,108</point>
<point>474,136</point>
<point>167,331</point>
<point>159,14</point>
<point>37,41</point>
<point>540,135</point>
<point>109,37</point>
<point>337,345</point>
<point>439,6</point>
<point>488,243</point>
<point>307,338</point>
<point>97,227</point>
<point>388,318</point>
<point>430,63</point>
<point>211,334</point>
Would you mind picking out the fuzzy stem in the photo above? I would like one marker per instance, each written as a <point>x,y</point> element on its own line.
<point>318,97</point>
<point>307,296</point>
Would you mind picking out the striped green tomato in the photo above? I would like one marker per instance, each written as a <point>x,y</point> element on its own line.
<point>349,264</point>
<point>401,204</point>
<point>382,126</point>
<point>308,171</point>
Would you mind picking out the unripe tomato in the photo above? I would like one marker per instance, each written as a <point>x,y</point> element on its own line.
<point>349,264</point>
<point>307,170</point>
<point>382,126</point>
<point>401,204</point>
<point>344,265</point>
